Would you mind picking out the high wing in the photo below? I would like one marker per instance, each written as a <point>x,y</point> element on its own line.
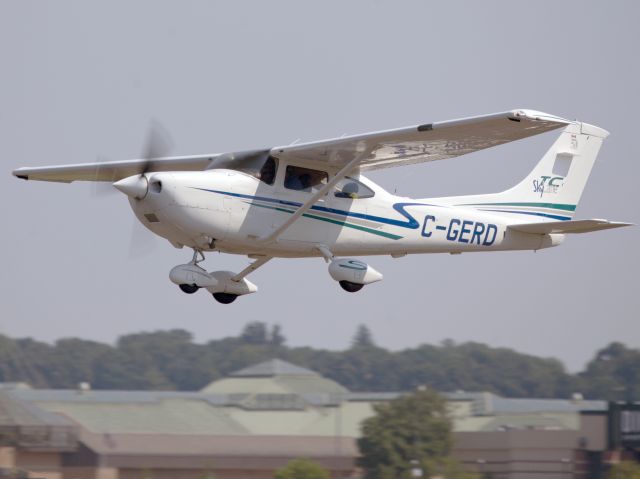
<point>421,143</point>
<point>369,151</point>
<point>113,170</point>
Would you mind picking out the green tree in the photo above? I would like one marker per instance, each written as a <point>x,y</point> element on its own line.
<point>171,360</point>
<point>74,361</point>
<point>302,469</point>
<point>15,365</point>
<point>255,332</point>
<point>625,470</point>
<point>276,338</point>
<point>613,374</point>
<point>362,338</point>
<point>413,431</point>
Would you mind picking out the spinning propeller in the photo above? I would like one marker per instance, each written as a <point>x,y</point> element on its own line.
<point>158,144</point>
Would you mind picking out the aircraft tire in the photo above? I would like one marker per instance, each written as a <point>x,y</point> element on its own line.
<point>189,288</point>
<point>351,287</point>
<point>225,298</point>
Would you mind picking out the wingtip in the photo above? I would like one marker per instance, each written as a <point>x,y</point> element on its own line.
<point>538,115</point>
<point>19,173</point>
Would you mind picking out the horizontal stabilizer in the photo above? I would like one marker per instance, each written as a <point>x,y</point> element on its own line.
<point>573,226</point>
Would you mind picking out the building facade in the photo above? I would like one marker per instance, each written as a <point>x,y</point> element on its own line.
<point>257,419</point>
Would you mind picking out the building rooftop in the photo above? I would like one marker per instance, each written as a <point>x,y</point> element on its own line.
<point>270,398</point>
<point>25,424</point>
<point>14,412</point>
<point>485,403</point>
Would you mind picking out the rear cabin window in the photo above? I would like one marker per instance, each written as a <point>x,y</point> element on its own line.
<point>304,179</point>
<point>353,189</point>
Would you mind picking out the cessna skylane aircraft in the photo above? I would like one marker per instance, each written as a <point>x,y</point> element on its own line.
<point>311,199</point>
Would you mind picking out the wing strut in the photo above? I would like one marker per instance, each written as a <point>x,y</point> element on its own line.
<point>251,268</point>
<point>319,194</point>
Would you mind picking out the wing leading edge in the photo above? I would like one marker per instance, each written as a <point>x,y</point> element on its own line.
<point>113,170</point>
<point>383,149</point>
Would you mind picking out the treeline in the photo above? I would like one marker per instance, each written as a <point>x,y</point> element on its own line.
<point>170,360</point>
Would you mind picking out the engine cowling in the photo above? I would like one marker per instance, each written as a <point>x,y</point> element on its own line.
<point>353,274</point>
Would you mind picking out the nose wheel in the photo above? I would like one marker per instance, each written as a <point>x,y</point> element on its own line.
<point>224,286</point>
<point>190,288</point>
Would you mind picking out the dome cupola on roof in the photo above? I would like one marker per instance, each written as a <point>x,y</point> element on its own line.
<point>274,376</point>
<point>271,368</point>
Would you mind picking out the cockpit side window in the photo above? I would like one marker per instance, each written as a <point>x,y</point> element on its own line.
<point>352,189</point>
<point>304,179</point>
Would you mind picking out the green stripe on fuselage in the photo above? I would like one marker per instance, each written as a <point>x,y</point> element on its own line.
<point>336,222</point>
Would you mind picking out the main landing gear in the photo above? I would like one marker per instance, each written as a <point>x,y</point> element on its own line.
<point>352,275</point>
<point>224,286</point>
<point>224,298</point>
<point>189,288</point>
<point>350,287</point>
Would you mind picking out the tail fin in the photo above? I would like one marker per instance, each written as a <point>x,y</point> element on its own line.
<point>554,187</point>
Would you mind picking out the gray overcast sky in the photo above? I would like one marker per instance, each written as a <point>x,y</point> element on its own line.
<point>83,78</point>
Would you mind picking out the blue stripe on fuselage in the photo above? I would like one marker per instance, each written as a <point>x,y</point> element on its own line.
<point>411,222</point>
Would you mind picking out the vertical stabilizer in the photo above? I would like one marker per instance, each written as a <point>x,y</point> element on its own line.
<point>554,187</point>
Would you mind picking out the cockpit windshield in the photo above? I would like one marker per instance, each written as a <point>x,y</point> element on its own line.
<point>259,164</point>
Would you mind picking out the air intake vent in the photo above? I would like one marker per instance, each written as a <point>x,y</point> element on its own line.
<point>151,218</point>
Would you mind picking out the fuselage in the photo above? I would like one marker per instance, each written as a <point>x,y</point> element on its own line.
<point>233,212</point>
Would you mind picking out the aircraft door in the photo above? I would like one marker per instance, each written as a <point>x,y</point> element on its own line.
<point>348,200</point>
<point>295,186</point>
<point>252,203</point>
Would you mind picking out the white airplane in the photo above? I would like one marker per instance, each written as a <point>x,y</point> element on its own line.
<point>311,199</point>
